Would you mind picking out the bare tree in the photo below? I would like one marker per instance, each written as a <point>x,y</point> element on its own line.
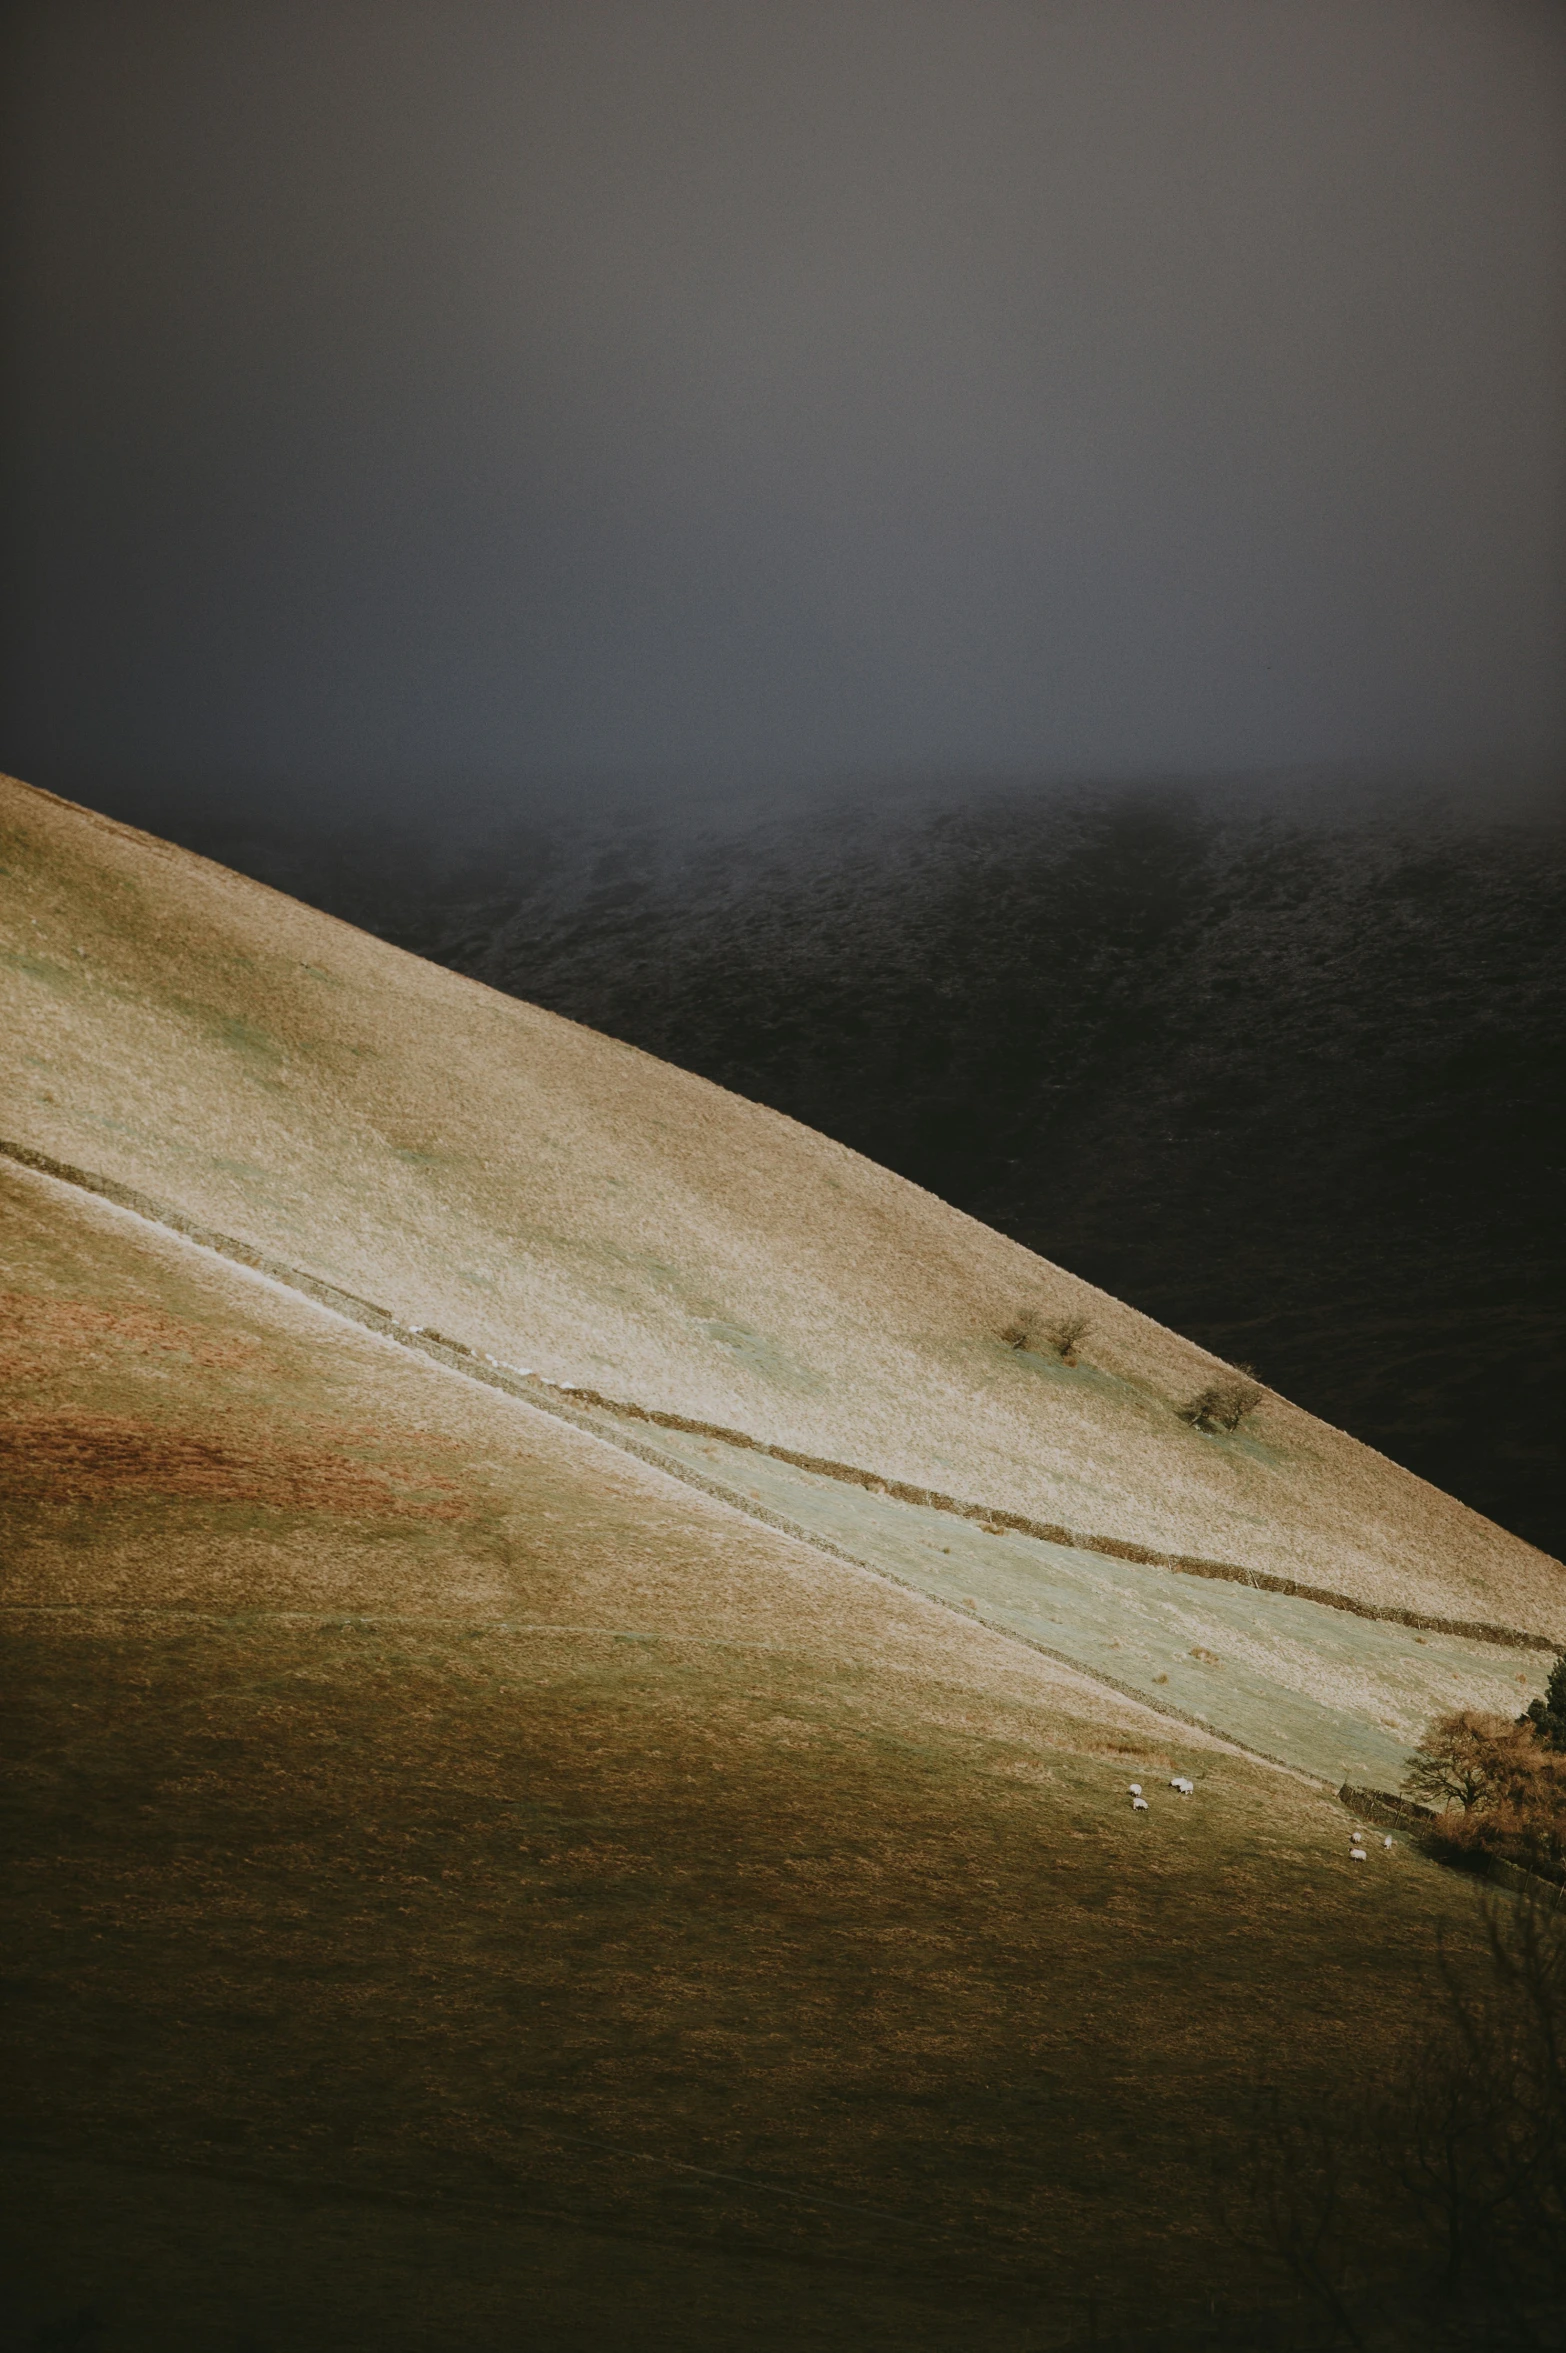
<point>1466,1758</point>
<point>1501,1788</point>
<point>1289,2194</point>
<point>1477,2135</point>
<point>1431,2210</point>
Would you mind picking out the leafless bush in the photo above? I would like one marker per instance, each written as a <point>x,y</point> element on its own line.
<point>1223,1404</point>
<point>1035,1330</point>
<point>1064,1332</point>
<point>1528,1830</point>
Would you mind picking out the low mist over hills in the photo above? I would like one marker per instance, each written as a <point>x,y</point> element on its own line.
<point>1280,1064</point>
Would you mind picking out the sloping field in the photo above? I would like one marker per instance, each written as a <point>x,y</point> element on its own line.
<point>474,1888</point>
<point>566,1204</point>
<point>1323,1690</point>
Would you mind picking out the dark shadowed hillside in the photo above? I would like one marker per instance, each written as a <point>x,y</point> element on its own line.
<point>1286,1075</point>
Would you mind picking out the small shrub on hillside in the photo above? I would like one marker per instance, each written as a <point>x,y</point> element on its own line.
<point>1063,1332</point>
<point>1035,1331</point>
<point>1222,1405</point>
<point>1548,1715</point>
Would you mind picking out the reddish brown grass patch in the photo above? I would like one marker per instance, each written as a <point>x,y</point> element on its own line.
<point>104,1458</point>
<point>36,1329</point>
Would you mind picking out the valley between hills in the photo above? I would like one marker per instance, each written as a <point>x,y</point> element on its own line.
<point>573,1699</point>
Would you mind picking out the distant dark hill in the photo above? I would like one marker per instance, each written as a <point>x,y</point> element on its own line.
<point>1285,1074</point>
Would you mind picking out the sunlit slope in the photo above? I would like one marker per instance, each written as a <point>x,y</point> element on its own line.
<point>570,1205</point>
<point>1324,1690</point>
<point>417,1800</point>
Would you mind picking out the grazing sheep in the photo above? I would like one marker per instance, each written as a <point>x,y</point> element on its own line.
<point>1135,1788</point>
<point>1139,1805</point>
<point>1184,1786</point>
<point>1357,1854</point>
<point>1386,1842</point>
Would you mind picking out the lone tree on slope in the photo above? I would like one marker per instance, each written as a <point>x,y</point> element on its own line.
<point>1467,1759</point>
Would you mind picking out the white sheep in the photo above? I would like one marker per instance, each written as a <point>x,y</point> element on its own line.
<point>1139,1805</point>
<point>1386,1842</point>
<point>1184,1786</point>
<point>1135,1788</point>
<point>1357,1854</point>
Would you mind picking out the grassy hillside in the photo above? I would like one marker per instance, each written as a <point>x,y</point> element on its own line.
<point>474,1888</point>
<point>1322,1689</point>
<point>565,1203</point>
<point>635,1847</point>
<point>1250,1053</point>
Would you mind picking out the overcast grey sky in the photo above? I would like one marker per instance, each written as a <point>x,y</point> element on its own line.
<point>407,394</point>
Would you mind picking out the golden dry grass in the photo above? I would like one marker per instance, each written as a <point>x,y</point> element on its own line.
<point>567,1203</point>
<point>594,1865</point>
